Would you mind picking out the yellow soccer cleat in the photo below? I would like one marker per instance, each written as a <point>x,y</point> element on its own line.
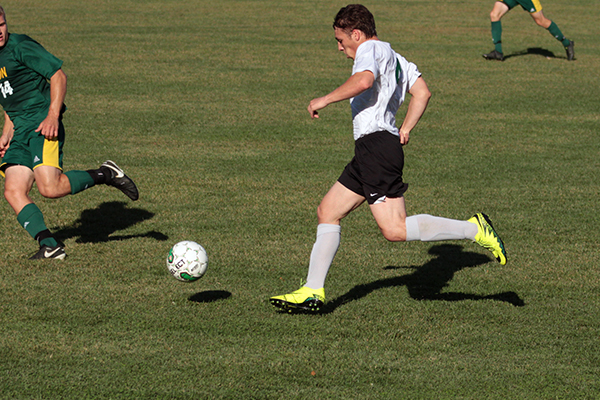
<point>303,299</point>
<point>488,238</point>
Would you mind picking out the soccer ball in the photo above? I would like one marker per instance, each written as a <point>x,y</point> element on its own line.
<point>187,261</point>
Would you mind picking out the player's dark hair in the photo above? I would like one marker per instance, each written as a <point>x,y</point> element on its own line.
<point>355,16</point>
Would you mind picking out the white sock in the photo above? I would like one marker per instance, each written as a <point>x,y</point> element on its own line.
<point>428,228</point>
<point>323,252</point>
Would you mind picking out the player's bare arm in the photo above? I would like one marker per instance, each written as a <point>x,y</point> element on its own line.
<point>354,86</point>
<point>420,96</point>
<point>7,134</point>
<point>58,91</point>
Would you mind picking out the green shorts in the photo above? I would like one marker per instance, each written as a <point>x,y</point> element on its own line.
<point>531,6</point>
<point>34,150</point>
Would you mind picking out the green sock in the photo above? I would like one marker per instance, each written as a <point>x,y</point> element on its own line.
<point>497,35</point>
<point>32,219</point>
<point>555,31</point>
<point>80,180</point>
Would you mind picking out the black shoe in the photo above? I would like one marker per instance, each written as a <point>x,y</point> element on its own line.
<point>494,55</point>
<point>57,252</point>
<point>570,51</point>
<point>121,181</point>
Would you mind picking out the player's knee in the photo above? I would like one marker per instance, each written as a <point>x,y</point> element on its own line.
<point>49,191</point>
<point>394,235</point>
<point>319,213</point>
<point>8,195</point>
<point>543,22</point>
<point>14,195</point>
<point>324,216</point>
<point>44,191</point>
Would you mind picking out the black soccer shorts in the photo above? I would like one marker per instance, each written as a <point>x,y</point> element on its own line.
<point>376,169</point>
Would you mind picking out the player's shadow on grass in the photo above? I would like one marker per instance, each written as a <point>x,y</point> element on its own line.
<point>98,224</point>
<point>209,296</point>
<point>428,281</point>
<point>536,51</point>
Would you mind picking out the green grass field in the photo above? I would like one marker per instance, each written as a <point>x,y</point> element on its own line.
<point>203,103</point>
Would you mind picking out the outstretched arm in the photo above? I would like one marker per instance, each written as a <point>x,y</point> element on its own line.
<point>7,134</point>
<point>58,91</point>
<point>354,86</point>
<point>416,107</point>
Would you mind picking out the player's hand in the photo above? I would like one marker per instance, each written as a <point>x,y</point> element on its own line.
<point>4,145</point>
<point>315,105</point>
<point>49,128</point>
<point>404,137</point>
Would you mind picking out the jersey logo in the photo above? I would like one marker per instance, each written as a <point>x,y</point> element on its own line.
<point>398,71</point>
<point>3,73</point>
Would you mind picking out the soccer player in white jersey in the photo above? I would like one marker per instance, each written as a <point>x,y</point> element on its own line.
<point>378,85</point>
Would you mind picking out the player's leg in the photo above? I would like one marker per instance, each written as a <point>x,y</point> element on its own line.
<point>428,228</point>
<point>336,204</point>
<point>541,20</point>
<point>555,31</point>
<point>500,8</point>
<point>109,174</point>
<point>390,215</point>
<point>46,155</point>
<point>18,183</point>
<point>47,166</point>
<point>51,181</point>
<point>395,226</point>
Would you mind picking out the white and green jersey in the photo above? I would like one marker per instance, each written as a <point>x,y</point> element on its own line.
<point>375,109</point>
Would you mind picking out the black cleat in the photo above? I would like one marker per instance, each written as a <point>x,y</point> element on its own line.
<point>121,181</point>
<point>44,252</point>
<point>494,55</point>
<point>570,51</point>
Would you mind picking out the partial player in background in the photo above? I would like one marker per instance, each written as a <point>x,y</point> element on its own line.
<point>32,91</point>
<point>378,85</point>
<point>534,7</point>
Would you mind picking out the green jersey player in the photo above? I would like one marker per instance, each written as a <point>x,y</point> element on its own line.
<point>32,91</point>
<point>534,8</point>
<point>380,80</point>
